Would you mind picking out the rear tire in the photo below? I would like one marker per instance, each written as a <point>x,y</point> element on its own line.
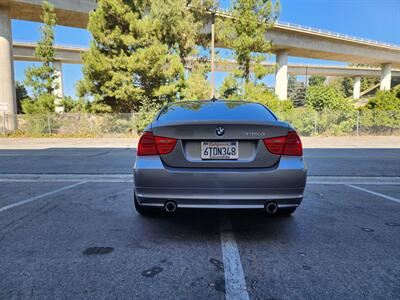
<point>142,210</point>
<point>286,212</point>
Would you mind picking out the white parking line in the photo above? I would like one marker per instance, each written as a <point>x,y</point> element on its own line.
<point>374,193</point>
<point>235,284</point>
<point>66,177</point>
<point>394,180</point>
<point>4,208</point>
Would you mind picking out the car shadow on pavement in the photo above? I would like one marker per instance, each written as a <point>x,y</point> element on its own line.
<point>254,222</point>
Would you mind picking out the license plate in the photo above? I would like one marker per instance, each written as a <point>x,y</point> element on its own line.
<point>219,150</point>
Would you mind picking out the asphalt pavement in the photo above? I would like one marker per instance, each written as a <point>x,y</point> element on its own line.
<point>321,162</point>
<point>72,233</point>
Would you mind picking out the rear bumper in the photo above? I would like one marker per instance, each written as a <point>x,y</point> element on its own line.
<point>156,183</point>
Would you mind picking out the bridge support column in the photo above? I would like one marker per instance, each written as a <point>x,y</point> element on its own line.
<point>8,103</point>
<point>357,87</point>
<point>281,76</point>
<point>386,76</point>
<point>59,91</point>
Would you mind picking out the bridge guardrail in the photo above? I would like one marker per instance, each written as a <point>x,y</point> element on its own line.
<point>326,32</point>
<point>336,34</point>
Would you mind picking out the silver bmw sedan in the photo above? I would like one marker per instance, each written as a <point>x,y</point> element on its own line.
<point>219,154</point>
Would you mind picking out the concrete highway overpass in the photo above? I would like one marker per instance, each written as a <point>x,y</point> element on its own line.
<point>73,55</point>
<point>288,40</point>
<point>64,54</point>
<point>320,70</point>
<point>25,51</point>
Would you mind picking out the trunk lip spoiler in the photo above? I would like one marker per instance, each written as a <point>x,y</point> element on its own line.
<point>218,122</point>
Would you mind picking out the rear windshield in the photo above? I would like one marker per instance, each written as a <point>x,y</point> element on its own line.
<point>217,110</point>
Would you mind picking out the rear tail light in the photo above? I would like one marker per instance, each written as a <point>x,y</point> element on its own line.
<point>164,144</point>
<point>285,145</point>
<point>154,145</point>
<point>293,145</point>
<point>275,145</point>
<point>146,145</point>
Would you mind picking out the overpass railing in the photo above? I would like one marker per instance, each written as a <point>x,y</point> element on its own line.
<point>326,32</point>
<point>306,122</point>
<point>335,34</point>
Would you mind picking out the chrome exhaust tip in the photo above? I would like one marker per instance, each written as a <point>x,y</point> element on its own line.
<point>271,208</point>
<point>170,206</point>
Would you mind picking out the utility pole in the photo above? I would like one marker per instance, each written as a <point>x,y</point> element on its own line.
<point>212,55</point>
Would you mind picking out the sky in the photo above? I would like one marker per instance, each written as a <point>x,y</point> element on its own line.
<point>371,19</point>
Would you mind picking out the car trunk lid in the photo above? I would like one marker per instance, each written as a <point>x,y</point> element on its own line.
<point>248,135</point>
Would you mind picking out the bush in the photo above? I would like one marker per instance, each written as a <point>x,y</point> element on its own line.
<point>336,122</point>
<point>310,122</point>
<point>315,80</point>
<point>396,91</point>
<point>260,93</point>
<point>146,114</point>
<point>303,120</point>
<point>326,97</point>
<point>35,124</point>
<point>385,100</point>
<point>118,123</point>
<point>41,105</point>
<point>382,112</point>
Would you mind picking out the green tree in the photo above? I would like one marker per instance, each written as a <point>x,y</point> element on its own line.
<point>21,93</point>
<point>292,82</point>
<point>138,52</point>
<point>300,99</point>
<point>296,91</point>
<point>245,34</point>
<point>347,86</point>
<point>42,79</point>
<point>197,85</point>
<point>71,105</point>
<point>178,27</point>
<point>344,84</point>
<point>316,80</point>
<point>229,88</point>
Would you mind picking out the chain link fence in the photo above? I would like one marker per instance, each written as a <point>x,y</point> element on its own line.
<point>335,123</point>
<point>307,123</point>
<point>74,124</point>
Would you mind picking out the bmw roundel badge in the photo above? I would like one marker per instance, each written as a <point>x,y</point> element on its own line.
<point>220,131</point>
